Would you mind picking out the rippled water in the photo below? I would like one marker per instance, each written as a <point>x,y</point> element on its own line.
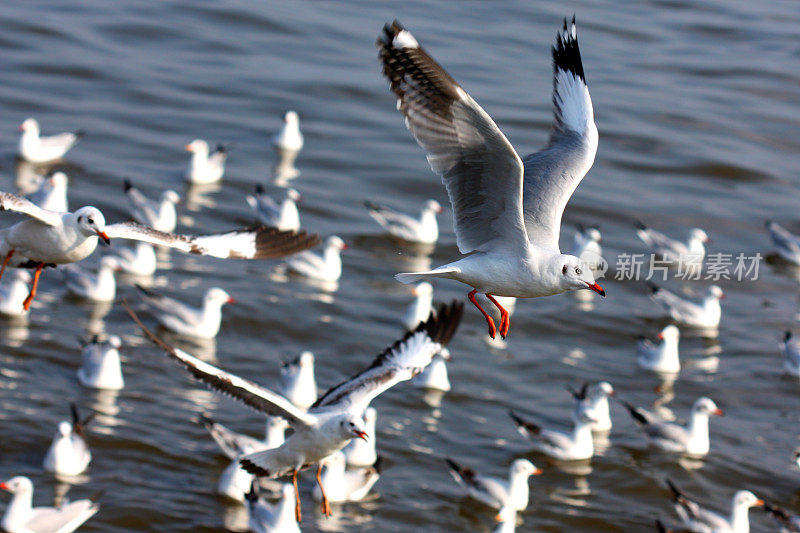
<point>696,104</point>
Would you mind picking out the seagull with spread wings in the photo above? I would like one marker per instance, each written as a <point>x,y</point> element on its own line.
<point>50,238</point>
<point>507,210</point>
<point>336,417</point>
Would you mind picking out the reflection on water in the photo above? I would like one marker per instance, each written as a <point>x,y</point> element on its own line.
<point>199,197</point>
<point>14,331</point>
<point>284,170</point>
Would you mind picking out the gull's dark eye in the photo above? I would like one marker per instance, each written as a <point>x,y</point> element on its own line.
<point>90,221</point>
<point>564,270</point>
<point>577,270</point>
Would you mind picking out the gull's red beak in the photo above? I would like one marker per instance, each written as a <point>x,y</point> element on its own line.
<point>231,301</point>
<point>538,472</point>
<point>759,503</point>
<point>661,336</point>
<point>188,147</point>
<point>4,486</point>
<point>719,412</point>
<point>440,210</point>
<point>345,247</point>
<point>104,237</point>
<point>21,127</point>
<point>596,288</point>
<point>362,435</point>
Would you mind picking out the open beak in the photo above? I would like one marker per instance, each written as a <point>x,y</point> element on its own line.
<point>104,237</point>
<point>596,288</point>
<point>231,301</point>
<point>719,412</point>
<point>362,435</point>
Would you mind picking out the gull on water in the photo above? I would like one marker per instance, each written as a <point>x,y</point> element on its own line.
<point>22,517</point>
<point>100,364</point>
<point>593,400</point>
<point>321,267</point>
<point>421,307</point>
<point>423,230</point>
<point>435,376</point>
<point>704,315</point>
<point>577,445</point>
<point>289,138</point>
<point>689,253</point>
<point>787,244</point>
<point>700,520</point>
<point>272,518</point>
<point>586,245</point>
<point>496,492</point>
<point>37,149</point>
<point>97,287</point>
<point>283,215</point>
<point>791,353</point>
<point>158,214</point>
<point>233,443</point>
<point>362,453</point>
<point>140,260</point>
<point>203,322</point>
<point>297,383</point>
<point>662,357</point>
<point>205,166</point>
<point>342,485</point>
<point>52,193</point>
<point>507,210</point>
<point>69,454</point>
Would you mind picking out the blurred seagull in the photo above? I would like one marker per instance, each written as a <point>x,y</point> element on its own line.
<point>203,322</point>
<point>362,453</point>
<point>37,149</point>
<point>13,293</point>
<point>424,230</point>
<point>700,520</point>
<point>234,444</point>
<point>420,308</point>
<point>435,376</point>
<point>99,287</point>
<point>506,210</point>
<point>160,214</point>
<point>689,253</point>
<point>788,523</point>
<point>69,454</point>
<point>497,492</point>
<point>137,261</point>
<point>272,518</point>
<point>52,193</point>
<point>324,267</point>
<point>22,517</point>
<point>205,167</point>
<point>662,357</point>
<point>289,138</point>
<point>101,367</point>
<point>575,446</point>
<point>791,354</point>
<point>283,216</point>
<point>786,243</point>
<point>342,485</point>
<point>593,400</point>
<point>586,245</point>
<point>297,383</point>
<point>705,315</point>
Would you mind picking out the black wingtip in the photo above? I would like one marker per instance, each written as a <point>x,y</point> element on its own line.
<point>249,466</point>
<point>640,225</point>
<point>73,411</point>
<point>259,188</point>
<point>676,493</point>
<point>787,336</point>
<point>521,423</point>
<point>455,467</point>
<point>634,412</point>
<point>222,149</point>
<point>252,494</point>
<point>146,291</point>
<point>660,526</point>
<point>566,54</point>
<point>442,324</point>
<point>127,184</point>
<point>767,223</point>
<point>379,464</point>
<point>205,421</point>
<point>653,287</point>
<point>80,133</point>
<point>372,206</point>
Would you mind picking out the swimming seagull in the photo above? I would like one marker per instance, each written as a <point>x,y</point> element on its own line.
<point>362,453</point>
<point>324,267</point>
<point>674,251</point>
<point>137,261</point>
<point>52,193</point>
<point>662,357</point>
<point>158,214</point>
<point>48,238</point>
<point>69,454</point>
<point>786,243</point>
<point>283,215</point>
<point>700,520</point>
<point>424,230</point>
<point>272,518</point>
<point>791,353</point>
<point>297,383</point>
<point>203,322</point>
<point>22,517</point>
<point>342,485</point>
<point>98,287</point>
<point>593,400</point>
<point>335,418</point>
<point>705,314</point>
<point>234,482</point>
<point>435,376</point>
<point>101,367</point>
<point>692,439</point>
<point>574,446</point>
<point>37,149</point>
<point>205,167</point>
<point>506,210</point>
<point>289,138</point>
<point>420,308</point>
<point>496,492</point>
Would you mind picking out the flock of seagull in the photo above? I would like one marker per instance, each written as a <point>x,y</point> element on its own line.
<point>507,214</point>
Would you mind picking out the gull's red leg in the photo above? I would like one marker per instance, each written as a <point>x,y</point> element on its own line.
<point>27,303</point>
<point>5,262</point>
<point>297,514</point>
<point>489,320</point>
<point>505,319</point>
<point>326,506</point>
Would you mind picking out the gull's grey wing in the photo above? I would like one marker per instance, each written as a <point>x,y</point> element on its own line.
<point>143,210</point>
<point>398,224</point>
<point>676,305</point>
<point>783,238</point>
<point>12,202</point>
<point>170,306</point>
<point>478,166</point>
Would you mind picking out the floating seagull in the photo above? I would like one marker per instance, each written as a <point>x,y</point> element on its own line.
<point>13,293</point>
<point>22,517</point>
<point>424,230</point>
<point>100,287</point>
<point>420,308</point>
<point>787,244</point>
<point>52,193</point>
<point>496,492</point>
<point>691,252</point>
<point>160,215</point>
<point>702,520</point>
<point>788,523</point>
<point>340,485</point>
<point>269,518</point>
<point>362,453</point>
<point>575,446</point>
<point>203,322</point>
<point>692,439</point>
<point>586,245</point>
<point>205,167</point>
<point>297,383</point>
<point>289,138</point>
<point>49,238</point>
<point>283,216</point>
<point>593,400</point>
<point>69,454</point>
<point>435,375</point>
<point>325,267</point>
<point>101,367</point>
<point>38,149</point>
<point>506,210</point>
<point>662,357</point>
<point>233,444</point>
<point>137,261</point>
<point>335,418</point>
<point>791,354</point>
<point>704,315</point>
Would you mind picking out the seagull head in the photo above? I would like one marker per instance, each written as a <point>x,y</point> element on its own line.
<point>219,296</point>
<point>716,292</point>
<point>293,195</point>
<point>197,146</point>
<point>696,234</point>
<point>746,499</point>
<point>91,223</point>
<point>525,468</point>
<point>433,205</point>
<point>30,125</point>
<point>64,429</point>
<point>604,388</point>
<point>17,484</point>
<point>575,275</point>
<point>670,334</point>
<point>291,117</point>
<point>170,196</point>
<point>706,406</point>
<point>335,243</point>
<point>354,427</point>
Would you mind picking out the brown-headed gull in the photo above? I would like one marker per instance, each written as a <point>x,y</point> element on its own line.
<point>283,215</point>
<point>69,454</point>
<point>423,230</point>
<point>593,400</point>
<point>205,166</point>
<point>52,193</point>
<point>435,376</point>
<point>496,492</point>
<point>140,260</point>
<point>342,485</point>
<point>791,355</point>
<point>48,238</point>
<point>692,440</point>
<point>362,453</point>
<point>233,443</point>
<point>97,287</point>
<point>507,210</point>
<point>574,446</point>
<point>13,292</point>
<point>200,322</point>
<point>420,308</point>
<point>336,417</point>
<point>297,383</point>
<point>289,138</point>
<point>158,214</point>
<point>662,357</point>
<point>705,314</point>
<point>321,267</point>
<point>788,523</point>
<point>100,364</point>
<point>700,520</point>
<point>787,244</point>
<point>22,517</point>
<point>272,518</point>
<point>674,251</point>
<point>37,149</point>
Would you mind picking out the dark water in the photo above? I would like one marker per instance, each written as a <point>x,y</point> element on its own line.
<point>696,104</point>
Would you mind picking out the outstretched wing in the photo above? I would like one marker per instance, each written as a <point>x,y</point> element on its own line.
<point>480,169</point>
<point>12,202</point>
<point>401,361</point>
<point>259,242</point>
<point>247,392</point>
<point>553,173</point>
